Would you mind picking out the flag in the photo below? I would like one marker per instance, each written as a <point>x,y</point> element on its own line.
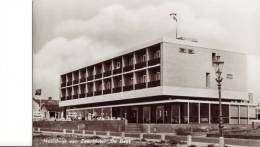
<point>38,92</point>
<point>174,16</point>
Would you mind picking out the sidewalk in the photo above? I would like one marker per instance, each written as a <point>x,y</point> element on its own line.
<point>199,141</point>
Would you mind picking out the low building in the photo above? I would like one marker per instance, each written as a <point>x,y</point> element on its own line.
<point>163,81</point>
<point>47,109</point>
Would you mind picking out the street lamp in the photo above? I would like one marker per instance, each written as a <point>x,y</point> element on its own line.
<point>218,66</point>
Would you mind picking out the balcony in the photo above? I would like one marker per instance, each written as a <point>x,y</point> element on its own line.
<point>154,83</point>
<point>69,97</point>
<point>140,65</point>
<point>140,86</point>
<point>75,81</point>
<point>63,98</point>
<point>89,94</point>
<point>63,84</point>
<point>91,77</point>
<point>82,95</point>
<point>83,79</point>
<point>128,68</point>
<point>69,83</point>
<point>75,96</point>
<point>128,88</point>
<point>99,92</point>
<point>154,61</point>
<point>107,73</point>
<point>117,89</point>
<point>117,71</point>
<point>98,75</point>
<point>107,91</point>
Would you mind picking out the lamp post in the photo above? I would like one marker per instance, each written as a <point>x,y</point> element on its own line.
<point>218,66</point>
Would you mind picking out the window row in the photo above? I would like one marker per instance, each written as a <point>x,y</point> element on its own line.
<point>136,60</point>
<point>135,80</point>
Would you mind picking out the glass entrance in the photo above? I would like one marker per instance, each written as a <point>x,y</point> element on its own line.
<point>133,115</point>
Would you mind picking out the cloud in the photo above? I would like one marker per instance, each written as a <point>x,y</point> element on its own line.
<point>79,32</point>
<point>62,55</point>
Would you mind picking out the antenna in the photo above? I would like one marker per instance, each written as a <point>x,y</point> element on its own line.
<point>174,17</point>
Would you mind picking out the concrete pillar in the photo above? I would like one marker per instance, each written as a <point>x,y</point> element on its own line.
<point>72,131</point>
<point>189,140</point>
<point>64,131</point>
<point>238,114</point>
<point>123,135</point>
<point>141,136</point>
<point>83,132</point>
<point>108,133</point>
<point>179,113</point>
<point>163,137</point>
<point>148,128</point>
<point>94,132</point>
<point>209,115</point>
<point>188,112</point>
<point>199,113</point>
<point>39,129</point>
<point>221,142</point>
<point>247,114</point>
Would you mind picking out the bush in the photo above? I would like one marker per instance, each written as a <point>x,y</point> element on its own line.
<point>192,145</point>
<point>211,145</point>
<point>181,131</point>
<point>175,141</point>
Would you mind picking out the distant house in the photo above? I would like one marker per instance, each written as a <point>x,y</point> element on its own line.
<point>46,109</point>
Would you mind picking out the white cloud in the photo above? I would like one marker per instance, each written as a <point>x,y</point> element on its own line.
<point>78,32</point>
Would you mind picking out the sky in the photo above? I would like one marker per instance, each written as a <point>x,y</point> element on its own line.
<point>69,34</point>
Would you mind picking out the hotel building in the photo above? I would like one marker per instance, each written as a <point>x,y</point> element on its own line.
<point>163,81</point>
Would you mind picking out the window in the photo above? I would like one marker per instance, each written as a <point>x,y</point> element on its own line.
<point>143,58</point>
<point>131,61</point>
<point>191,51</point>
<point>143,79</point>
<point>213,57</point>
<point>182,50</point>
<point>207,80</point>
<point>131,81</point>
<point>108,85</point>
<point>157,54</point>
<point>157,76</point>
<point>229,76</point>
<point>118,65</point>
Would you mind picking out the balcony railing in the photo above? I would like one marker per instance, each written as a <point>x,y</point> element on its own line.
<point>128,88</point>
<point>154,83</point>
<point>154,61</point>
<point>89,94</point>
<point>75,81</point>
<point>140,85</point>
<point>63,84</point>
<point>83,79</point>
<point>117,71</point>
<point>99,92</point>
<point>82,95</point>
<point>117,89</point>
<point>107,73</point>
<point>75,96</point>
<point>128,68</point>
<point>91,77</point>
<point>69,83</point>
<point>68,97</point>
<point>98,75</point>
<point>106,91</point>
<point>63,98</point>
<point>140,65</point>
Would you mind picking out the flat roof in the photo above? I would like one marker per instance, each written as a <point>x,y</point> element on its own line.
<point>150,43</point>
